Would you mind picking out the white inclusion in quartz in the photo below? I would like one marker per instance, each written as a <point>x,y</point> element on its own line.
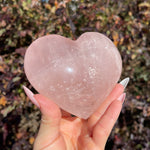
<point>92,72</point>
<point>93,55</point>
<point>69,70</point>
<point>52,89</point>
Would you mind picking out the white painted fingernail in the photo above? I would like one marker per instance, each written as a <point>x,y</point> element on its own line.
<point>31,96</point>
<point>125,82</point>
<point>122,97</point>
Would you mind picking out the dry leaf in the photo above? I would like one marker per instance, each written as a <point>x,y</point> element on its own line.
<point>2,69</point>
<point>7,110</point>
<point>115,38</point>
<point>53,9</point>
<point>3,23</point>
<point>3,101</point>
<point>121,41</point>
<point>19,135</point>
<point>145,4</point>
<point>133,56</point>
<point>31,140</point>
<point>48,6</point>
<point>21,51</point>
<point>56,4</point>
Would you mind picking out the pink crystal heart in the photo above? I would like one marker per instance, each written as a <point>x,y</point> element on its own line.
<point>76,75</point>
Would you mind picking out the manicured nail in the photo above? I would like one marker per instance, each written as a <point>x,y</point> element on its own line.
<point>31,96</point>
<point>125,82</point>
<point>122,97</point>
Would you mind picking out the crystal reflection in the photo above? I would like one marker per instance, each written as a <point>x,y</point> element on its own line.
<point>69,69</point>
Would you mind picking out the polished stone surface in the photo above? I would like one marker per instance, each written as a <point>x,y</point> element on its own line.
<point>76,75</point>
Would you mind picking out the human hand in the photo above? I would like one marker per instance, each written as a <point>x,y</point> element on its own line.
<point>60,131</point>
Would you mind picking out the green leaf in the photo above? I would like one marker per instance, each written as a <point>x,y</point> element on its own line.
<point>7,110</point>
<point>16,79</point>
<point>2,31</point>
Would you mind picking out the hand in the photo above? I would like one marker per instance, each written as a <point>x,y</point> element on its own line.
<point>60,131</point>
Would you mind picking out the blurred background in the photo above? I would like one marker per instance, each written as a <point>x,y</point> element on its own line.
<point>125,22</point>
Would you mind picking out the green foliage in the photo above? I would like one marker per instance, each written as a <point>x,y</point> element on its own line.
<point>22,22</point>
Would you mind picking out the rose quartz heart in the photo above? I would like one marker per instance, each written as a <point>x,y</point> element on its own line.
<point>76,75</point>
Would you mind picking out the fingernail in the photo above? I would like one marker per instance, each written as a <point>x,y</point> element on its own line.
<point>31,96</point>
<point>125,82</point>
<point>122,97</point>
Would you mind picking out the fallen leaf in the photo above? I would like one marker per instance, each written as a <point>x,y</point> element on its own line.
<point>4,9</point>
<point>2,69</point>
<point>53,9</point>
<point>138,97</point>
<point>3,23</point>
<point>56,4</point>
<point>115,38</point>
<point>3,101</point>
<point>145,4</point>
<point>48,6</point>
<point>133,56</point>
<point>121,41</point>
<point>97,25</point>
<point>130,13</point>
<point>7,110</point>
<point>21,51</point>
<point>31,140</point>
<point>2,31</point>
<point>15,79</point>
<point>19,135</point>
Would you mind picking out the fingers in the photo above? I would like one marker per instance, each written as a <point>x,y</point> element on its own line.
<point>104,126</point>
<point>49,136</point>
<point>116,92</point>
<point>49,129</point>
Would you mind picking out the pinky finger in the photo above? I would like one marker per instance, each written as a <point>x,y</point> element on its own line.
<point>104,126</point>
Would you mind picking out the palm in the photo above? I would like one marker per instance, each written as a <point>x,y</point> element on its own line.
<point>72,133</point>
<point>76,134</point>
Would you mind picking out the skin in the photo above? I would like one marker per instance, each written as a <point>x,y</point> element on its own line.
<point>60,131</point>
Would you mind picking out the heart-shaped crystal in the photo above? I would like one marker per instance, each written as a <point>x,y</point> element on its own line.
<point>76,75</point>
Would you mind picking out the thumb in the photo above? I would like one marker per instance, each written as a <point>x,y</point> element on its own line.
<point>50,123</point>
<point>51,116</point>
<point>51,113</point>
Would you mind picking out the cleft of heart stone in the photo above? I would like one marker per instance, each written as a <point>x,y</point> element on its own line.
<point>76,75</point>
